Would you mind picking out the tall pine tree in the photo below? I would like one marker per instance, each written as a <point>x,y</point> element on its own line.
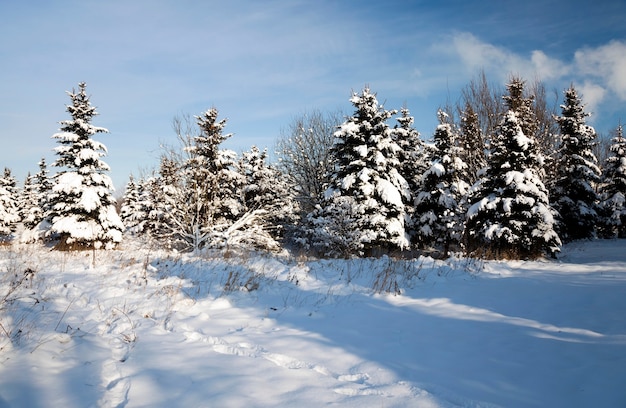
<point>82,213</point>
<point>574,190</point>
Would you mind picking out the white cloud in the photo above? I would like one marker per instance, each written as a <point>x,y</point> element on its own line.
<point>607,64</point>
<point>476,54</point>
<point>599,72</point>
<point>548,68</point>
<point>592,95</point>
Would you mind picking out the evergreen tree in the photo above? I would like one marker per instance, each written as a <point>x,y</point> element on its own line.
<point>365,186</point>
<point>44,187</point>
<point>150,216</point>
<point>472,144</point>
<point>164,203</point>
<point>518,102</point>
<point>31,213</point>
<point>573,192</point>
<point>215,169</point>
<point>269,203</point>
<point>412,152</point>
<point>439,213</point>
<point>204,187</point>
<point>131,212</point>
<point>35,205</point>
<point>510,215</point>
<point>613,190</point>
<point>9,209</point>
<point>82,212</point>
<point>413,158</point>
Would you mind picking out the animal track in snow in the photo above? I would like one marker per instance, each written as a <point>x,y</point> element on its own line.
<point>221,346</point>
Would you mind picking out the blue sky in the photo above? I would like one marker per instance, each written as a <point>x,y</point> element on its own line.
<point>262,63</point>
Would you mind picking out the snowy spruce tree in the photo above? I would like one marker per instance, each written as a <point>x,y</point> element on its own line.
<point>131,211</point>
<point>163,201</point>
<point>363,211</point>
<point>574,190</point>
<point>413,158</point>
<point>613,189</point>
<point>30,212</point>
<point>412,152</point>
<point>35,205</point>
<point>472,144</point>
<point>203,187</point>
<point>9,205</point>
<point>439,214</point>
<point>82,213</point>
<point>510,216</point>
<point>269,203</point>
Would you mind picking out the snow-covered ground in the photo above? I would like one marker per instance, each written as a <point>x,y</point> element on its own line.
<point>140,327</point>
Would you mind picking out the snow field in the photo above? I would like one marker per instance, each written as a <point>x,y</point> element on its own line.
<point>141,327</point>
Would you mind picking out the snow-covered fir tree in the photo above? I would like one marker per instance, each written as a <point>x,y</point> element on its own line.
<point>203,187</point>
<point>439,214</point>
<point>149,213</point>
<point>269,203</point>
<point>31,213</point>
<point>9,208</point>
<point>365,187</point>
<point>413,156</point>
<point>510,214</point>
<point>522,104</point>
<point>472,144</point>
<point>214,167</point>
<point>44,187</point>
<point>412,153</point>
<point>35,205</point>
<point>82,213</point>
<point>574,190</point>
<point>162,200</point>
<point>613,189</point>
<point>131,212</point>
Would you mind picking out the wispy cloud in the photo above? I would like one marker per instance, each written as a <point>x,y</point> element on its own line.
<point>476,54</point>
<point>599,73</point>
<point>606,65</point>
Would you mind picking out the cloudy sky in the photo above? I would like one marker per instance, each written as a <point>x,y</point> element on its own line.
<point>261,63</point>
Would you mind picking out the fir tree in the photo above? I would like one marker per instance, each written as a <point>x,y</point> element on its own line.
<point>472,144</point>
<point>413,160</point>
<point>31,213</point>
<point>82,213</point>
<point>206,185</point>
<point>131,212</point>
<point>365,183</point>
<point>573,192</point>
<point>150,215</point>
<point>412,153</point>
<point>518,102</point>
<point>510,215</point>
<point>35,205</point>
<point>215,168</point>
<point>613,190</point>
<point>438,210</point>
<point>9,209</point>
<point>269,203</point>
<point>44,187</point>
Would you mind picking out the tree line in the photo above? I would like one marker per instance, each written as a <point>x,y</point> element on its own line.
<point>504,176</point>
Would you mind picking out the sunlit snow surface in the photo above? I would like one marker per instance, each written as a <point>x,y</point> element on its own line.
<point>144,328</point>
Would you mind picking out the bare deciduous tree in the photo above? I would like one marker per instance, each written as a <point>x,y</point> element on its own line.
<point>303,150</point>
